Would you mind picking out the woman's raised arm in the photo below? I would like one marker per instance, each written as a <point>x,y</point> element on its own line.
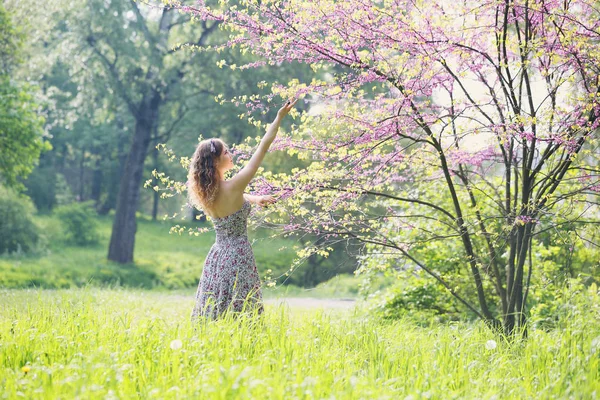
<point>241,180</point>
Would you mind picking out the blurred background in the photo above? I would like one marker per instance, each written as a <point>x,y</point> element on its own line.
<point>88,91</point>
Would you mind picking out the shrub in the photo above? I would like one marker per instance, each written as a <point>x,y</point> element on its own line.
<point>79,223</point>
<point>417,298</point>
<point>18,232</point>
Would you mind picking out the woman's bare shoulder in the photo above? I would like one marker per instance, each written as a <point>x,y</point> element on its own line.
<point>227,189</point>
<point>228,201</point>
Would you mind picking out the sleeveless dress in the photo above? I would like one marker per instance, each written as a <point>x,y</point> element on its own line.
<point>229,279</point>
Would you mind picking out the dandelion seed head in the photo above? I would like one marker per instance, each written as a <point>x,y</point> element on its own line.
<point>491,344</point>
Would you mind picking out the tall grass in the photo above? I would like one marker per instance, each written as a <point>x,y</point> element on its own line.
<point>90,343</point>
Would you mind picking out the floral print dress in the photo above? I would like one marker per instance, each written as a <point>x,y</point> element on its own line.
<point>229,279</point>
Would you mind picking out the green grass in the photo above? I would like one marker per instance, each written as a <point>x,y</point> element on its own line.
<point>161,260</point>
<point>342,286</point>
<point>98,344</point>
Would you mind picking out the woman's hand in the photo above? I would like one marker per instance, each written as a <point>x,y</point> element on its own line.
<point>283,111</point>
<point>264,201</point>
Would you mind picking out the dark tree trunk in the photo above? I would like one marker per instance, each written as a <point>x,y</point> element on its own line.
<point>310,279</point>
<point>97,178</point>
<point>113,180</point>
<point>81,175</point>
<point>155,196</point>
<point>122,240</point>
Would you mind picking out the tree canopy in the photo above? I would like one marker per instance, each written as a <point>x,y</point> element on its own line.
<point>21,126</point>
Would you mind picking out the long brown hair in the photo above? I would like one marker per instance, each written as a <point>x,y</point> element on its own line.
<point>203,180</point>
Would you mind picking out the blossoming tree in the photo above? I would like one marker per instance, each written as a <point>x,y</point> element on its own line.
<point>461,123</point>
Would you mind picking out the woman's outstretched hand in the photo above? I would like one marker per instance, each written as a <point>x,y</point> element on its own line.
<point>264,201</point>
<point>283,111</point>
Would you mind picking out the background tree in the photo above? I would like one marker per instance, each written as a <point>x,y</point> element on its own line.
<point>90,119</point>
<point>21,128</point>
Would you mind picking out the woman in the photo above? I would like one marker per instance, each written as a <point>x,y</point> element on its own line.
<point>229,278</point>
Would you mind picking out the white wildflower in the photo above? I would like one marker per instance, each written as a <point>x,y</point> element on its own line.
<point>491,344</point>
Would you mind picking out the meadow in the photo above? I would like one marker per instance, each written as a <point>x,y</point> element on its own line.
<point>119,344</point>
<point>73,325</point>
<point>163,262</point>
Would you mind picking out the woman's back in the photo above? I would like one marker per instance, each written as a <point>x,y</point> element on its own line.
<point>227,201</point>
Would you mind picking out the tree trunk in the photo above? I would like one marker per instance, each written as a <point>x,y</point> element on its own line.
<point>113,180</point>
<point>122,239</point>
<point>97,178</point>
<point>514,318</point>
<point>155,196</point>
<point>81,175</point>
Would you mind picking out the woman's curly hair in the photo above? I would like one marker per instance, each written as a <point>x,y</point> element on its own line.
<point>203,181</point>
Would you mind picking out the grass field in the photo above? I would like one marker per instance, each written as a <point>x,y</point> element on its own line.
<point>122,344</point>
<point>163,261</point>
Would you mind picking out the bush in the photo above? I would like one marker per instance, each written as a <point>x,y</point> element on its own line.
<point>79,223</point>
<point>572,299</point>
<point>18,233</point>
<point>412,296</point>
<point>422,300</point>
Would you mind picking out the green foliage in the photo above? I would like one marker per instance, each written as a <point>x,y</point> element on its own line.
<point>79,223</point>
<point>563,248</point>
<point>18,232</point>
<point>417,298</point>
<point>557,302</point>
<point>21,127</point>
<point>21,133</point>
<point>163,261</point>
<point>308,274</point>
<point>340,286</point>
<point>563,270</point>
<point>566,266</point>
<point>11,40</point>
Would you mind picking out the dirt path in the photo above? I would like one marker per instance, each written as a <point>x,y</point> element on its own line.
<point>291,302</point>
<point>308,302</point>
